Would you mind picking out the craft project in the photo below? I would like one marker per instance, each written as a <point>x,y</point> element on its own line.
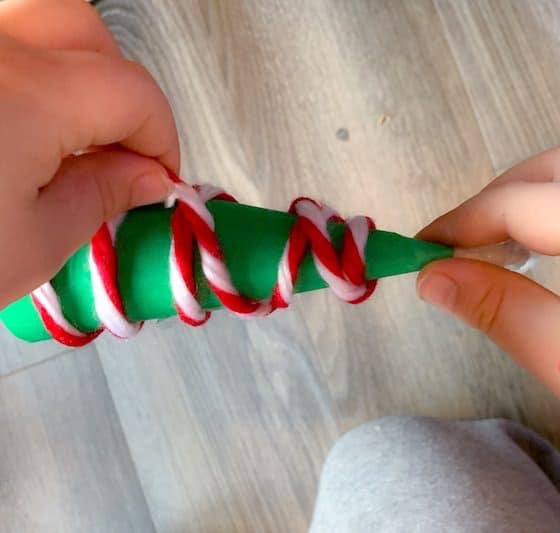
<point>205,251</point>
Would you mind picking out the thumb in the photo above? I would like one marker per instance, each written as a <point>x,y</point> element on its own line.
<point>89,190</point>
<point>519,315</point>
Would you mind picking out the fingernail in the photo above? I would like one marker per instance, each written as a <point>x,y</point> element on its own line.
<point>150,189</point>
<point>438,290</point>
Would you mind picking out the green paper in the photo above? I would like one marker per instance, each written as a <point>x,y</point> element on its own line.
<point>252,241</point>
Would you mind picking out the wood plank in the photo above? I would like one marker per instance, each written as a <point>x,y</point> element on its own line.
<point>228,426</point>
<point>507,52</point>
<point>16,355</point>
<point>64,462</point>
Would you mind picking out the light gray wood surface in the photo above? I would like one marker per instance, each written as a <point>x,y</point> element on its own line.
<point>64,462</point>
<point>391,108</point>
<point>507,52</point>
<point>16,356</point>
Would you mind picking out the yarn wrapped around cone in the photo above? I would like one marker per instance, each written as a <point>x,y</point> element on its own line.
<point>252,240</point>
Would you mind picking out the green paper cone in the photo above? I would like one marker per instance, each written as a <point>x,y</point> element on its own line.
<point>252,241</point>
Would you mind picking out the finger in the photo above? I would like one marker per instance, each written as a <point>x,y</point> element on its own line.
<point>526,212</point>
<point>57,24</point>
<point>540,168</point>
<point>544,167</point>
<point>99,100</point>
<point>519,315</point>
<point>90,189</point>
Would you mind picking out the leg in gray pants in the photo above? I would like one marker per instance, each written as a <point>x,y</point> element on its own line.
<point>403,474</point>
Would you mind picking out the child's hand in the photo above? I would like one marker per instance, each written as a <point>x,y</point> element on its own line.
<point>65,87</point>
<point>519,315</point>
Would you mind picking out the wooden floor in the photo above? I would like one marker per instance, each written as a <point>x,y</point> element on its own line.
<point>399,109</point>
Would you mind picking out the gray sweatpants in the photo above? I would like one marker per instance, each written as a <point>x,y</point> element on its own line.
<point>404,474</point>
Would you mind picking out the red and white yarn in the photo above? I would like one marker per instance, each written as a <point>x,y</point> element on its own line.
<point>345,276</point>
<point>109,307</point>
<point>104,272</point>
<point>192,223</point>
<point>48,305</point>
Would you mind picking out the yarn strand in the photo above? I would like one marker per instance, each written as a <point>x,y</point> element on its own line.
<point>192,225</point>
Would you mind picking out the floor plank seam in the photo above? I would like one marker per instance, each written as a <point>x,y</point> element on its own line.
<point>35,364</point>
<point>468,92</point>
<point>125,440</point>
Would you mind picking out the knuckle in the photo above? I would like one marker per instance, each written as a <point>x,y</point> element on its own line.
<point>81,18</point>
<point>145,81</point>
<point>108,198</point>
<point>489,308</point>
<point>48,254</point>
<point>91,29</point>
<point>139,70</point>
<point>16,62</point>
<point>26,75</point>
